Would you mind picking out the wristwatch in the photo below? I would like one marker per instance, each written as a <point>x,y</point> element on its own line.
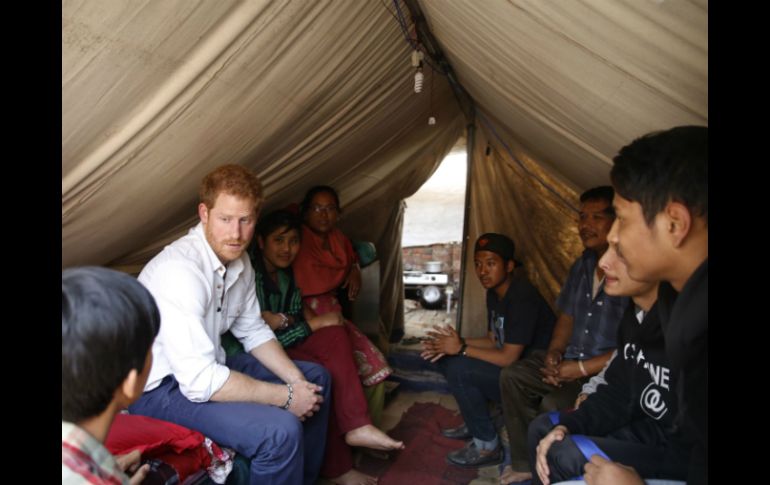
<point>463,347</point>
<point>284,322</point>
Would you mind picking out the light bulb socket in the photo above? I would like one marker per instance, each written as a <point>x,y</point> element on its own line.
<point>416,58</point>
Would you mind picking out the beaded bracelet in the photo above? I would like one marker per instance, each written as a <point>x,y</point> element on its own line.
<point>289,399</point>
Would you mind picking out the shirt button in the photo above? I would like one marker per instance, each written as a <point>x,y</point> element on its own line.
<point>588,295</point>
<point>589,314</point>
<point>586,330</point>
<point>219,286</point>
<point>582,354</point>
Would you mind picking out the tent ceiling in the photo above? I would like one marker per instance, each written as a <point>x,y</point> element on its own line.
<point>157,93</point>
<point>575,81</point>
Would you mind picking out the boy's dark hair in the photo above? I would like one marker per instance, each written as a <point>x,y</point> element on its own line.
<point>665,166</point>
<point>305,204</point>
<point>276,220</point>
<point>108,323</point>
<point>603,192</point>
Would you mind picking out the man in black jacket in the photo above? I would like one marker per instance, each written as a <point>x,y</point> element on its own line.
<point>631,417</point>
<point>661,233</point>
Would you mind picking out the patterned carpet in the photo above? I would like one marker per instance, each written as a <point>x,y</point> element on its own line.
<point>423,461</point>
<point>414,373</point>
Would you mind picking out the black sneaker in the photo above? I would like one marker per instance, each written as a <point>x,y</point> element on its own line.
<point>459,433</point>
<point>471,457</point>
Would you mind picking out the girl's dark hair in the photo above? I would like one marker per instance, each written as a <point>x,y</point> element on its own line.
<point>276,220</point>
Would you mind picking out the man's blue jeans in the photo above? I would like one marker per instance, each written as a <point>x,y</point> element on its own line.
<point>281,448</point>
<point>473,383</point>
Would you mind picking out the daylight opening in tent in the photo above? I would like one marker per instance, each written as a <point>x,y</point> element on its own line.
<point>432,245</point>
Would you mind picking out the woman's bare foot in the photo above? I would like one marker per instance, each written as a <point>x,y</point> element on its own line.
<point>510,476</point>
<point>370,437</point>
<point>354,477</point>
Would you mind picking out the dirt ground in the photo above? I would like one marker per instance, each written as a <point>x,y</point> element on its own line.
<point>418,320</point>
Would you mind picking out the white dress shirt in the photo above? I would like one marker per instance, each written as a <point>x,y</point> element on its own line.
<point>200,299</point>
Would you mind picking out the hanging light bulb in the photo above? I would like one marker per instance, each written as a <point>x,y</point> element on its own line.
<point>431,119</point>
<point>418,78</point>
<point>418,75</point>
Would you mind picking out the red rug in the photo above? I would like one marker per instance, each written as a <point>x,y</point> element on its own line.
<point>423,461</point>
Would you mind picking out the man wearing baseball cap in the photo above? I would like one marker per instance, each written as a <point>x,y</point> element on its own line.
<point>519,322</point>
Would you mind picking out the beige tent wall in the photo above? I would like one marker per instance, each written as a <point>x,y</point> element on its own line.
<point>508,198</point>
<point>565,85</point>
<point>575,81</point>
<point>157,93</point>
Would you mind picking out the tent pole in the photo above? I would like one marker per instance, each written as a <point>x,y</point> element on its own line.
<point>471,135</point>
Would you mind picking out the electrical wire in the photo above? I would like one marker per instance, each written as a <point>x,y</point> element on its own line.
<point>403,24</point>
<point>427,58</point>
<point>413,43</point>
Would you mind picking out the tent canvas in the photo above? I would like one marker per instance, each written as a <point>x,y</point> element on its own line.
<point>157,93</point>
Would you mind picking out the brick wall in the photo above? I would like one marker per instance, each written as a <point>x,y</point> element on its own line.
<point>415,258</point>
